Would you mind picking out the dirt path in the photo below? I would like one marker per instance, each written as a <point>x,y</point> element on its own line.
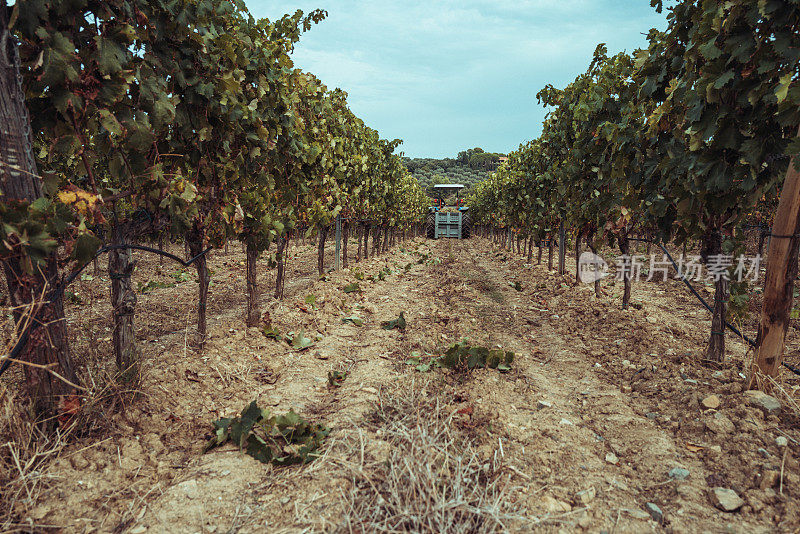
<point>570,421</point>
<point>599,407</point>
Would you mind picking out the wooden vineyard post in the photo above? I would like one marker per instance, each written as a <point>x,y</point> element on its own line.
<point>562,249</point>
<point>715,350</point>
<point>590,245</point>
<point>360,232</point>
<point>253,314</point>
<point>345,239</point>
<point>195,241</point>
<point>280,256</point>
<point>779,283</point>
<point>123,305</point>
<point>367,227</point>
<point>625,249</point>
<point>338,262</point>
<point>323,235</point>
<point>376,241</point>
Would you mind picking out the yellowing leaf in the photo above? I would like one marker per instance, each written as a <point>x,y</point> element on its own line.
<point>67,197</point>
<point>783,87</point>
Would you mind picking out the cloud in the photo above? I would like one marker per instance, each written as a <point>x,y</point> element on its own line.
<point>451,74</point>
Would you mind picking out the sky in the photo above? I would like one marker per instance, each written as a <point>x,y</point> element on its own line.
<point>444,76</point>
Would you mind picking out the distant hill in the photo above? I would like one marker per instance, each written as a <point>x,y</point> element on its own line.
<point>468,168</point>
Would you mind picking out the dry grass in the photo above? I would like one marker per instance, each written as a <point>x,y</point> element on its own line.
<point>428,477</point>
<point>27,450</point>
<point>25,453</point>
<point>28,446</point>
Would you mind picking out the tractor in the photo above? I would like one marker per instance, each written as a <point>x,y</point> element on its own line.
<point>448,221</point>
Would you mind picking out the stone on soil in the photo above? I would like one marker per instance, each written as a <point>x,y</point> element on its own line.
<point>584,521</point>
<point>654,511</point>
<point>586,496</point>
<point>635,513</point>
<point>678,473</point>
<point>553,505</point>
<point>720,424</point>
<point>726,499</point>
<point>711,402</point>
<point>766,403</point>
<point>769,479</point>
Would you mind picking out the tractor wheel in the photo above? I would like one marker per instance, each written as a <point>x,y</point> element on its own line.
<point>430,226</point>
<point>466,226</point>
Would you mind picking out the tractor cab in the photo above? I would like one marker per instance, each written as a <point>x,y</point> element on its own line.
<point>442,192</point>
<point>448,221</point>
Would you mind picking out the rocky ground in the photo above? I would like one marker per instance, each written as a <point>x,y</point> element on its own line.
<point>607,420</point>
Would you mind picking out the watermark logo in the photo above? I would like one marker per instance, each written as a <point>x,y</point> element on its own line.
<point>592,268</point>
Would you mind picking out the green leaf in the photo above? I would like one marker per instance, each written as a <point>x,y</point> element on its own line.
<point>111,56</point>
<point>140,139</point>
<point>258,449</point>
<point>110,122</point>
<point>252,414</point>
<point>335,378</point>
<point>477,357</point>
<point>399,323</point>
<point>495,358</point>
<point>301,342</point>
<point>282,440</point>
<point>221,433</point>
<point>723,79</point>
<point>86,245</point>
<point>710,50</point>
<point>189,194</point>
<point>793,148</point>
<point>352,288</point>
<point>358,321</point>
